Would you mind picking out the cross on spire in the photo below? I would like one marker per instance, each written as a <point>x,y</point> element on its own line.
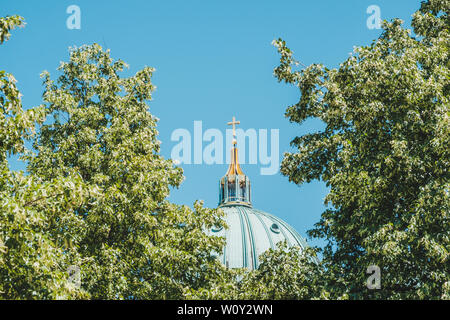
<point>234,123</point>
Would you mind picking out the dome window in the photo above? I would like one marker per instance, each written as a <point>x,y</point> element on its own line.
<point>216,229</point>
<point>275,228</point>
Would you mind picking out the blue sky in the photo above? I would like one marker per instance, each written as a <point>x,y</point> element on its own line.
<point>213,60</point>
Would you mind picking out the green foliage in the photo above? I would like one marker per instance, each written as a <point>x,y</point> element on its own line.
<point>133,242</point>
<point>286,273</point>
<point>95,196</point>
<point>31,265</point>
<point>15,123</point>
<point>7,24</point>
<point>384,154</point>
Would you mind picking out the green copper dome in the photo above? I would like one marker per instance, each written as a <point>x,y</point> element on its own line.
<point>250,231</point>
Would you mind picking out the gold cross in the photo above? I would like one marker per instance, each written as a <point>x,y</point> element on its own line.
<point>233,123</point>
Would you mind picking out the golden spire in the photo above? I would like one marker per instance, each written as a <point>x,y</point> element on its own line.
<point>234,168</point>
<point>233,123</point>
<point>234,186</point>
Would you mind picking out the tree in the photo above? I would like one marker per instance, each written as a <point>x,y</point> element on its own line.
<point>286,273</point>
<point>9,23</point>
<point>31,265</point>
<point>384,154</point>
<point>132,242</point>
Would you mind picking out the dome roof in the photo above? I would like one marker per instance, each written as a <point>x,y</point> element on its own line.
<point>251,232</point>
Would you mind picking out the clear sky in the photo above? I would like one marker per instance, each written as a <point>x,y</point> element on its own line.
<point>213,60</point>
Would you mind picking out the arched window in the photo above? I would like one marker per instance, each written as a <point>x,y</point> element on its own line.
<point>242,190</point>
<point>231,190</point>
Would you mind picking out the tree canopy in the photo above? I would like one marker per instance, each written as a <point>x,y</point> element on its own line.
<point>91,219</point>
<point>95,199</point>
<point>384,154</point>
<point>31,265</point>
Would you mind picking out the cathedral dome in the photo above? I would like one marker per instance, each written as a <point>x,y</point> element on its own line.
<point>250,231</point>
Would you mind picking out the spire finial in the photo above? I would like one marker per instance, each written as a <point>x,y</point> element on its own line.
<point>233,123</point>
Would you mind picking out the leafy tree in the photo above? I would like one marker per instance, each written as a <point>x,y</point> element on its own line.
<point>31,265</point>
<point>384,153</point>
<point>7,24</point>
<point>132,241</point>
<point>14,122</point>
<point>286,273</point>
